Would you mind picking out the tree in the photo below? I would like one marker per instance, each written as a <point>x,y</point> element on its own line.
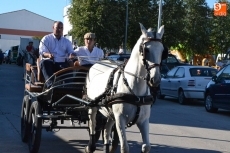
<point>38,37</point>
<point>107,19</point>
<point>220,33</point>
<point>197,37</point>
<point>100,17</point>
<point>173,15</point>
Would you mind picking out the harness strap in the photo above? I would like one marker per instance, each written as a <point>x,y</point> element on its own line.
<point>107,91</point>
<point>127,98</point>
<point>136,117</point>
<point>116,83</point>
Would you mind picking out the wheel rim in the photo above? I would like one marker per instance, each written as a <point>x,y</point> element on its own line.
<point>24,117</point>
<point>208,102</point>
<point>33,129</point>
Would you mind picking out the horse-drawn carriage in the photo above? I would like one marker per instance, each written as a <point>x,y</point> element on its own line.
<point>119,92</point>
<point>49,109</point>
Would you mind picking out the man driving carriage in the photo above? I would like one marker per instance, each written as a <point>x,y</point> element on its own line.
<point>54,50</point>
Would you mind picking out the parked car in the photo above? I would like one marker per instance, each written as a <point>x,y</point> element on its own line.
<point>172,61</point>
<point>14,54</point>
<point>185,82</point>
<point>7,55</point>
<point>217,92</point>
<point>118,57</point>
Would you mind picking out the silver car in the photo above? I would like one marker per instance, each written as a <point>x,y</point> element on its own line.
<point>185,82</point>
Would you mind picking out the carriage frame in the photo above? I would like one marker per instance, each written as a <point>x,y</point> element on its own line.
<point>50,108</point>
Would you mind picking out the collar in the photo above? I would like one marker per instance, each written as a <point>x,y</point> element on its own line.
<point>55,36</point>
<point>86,48</point>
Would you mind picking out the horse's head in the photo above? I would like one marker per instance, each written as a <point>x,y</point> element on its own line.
<point>151,49</point>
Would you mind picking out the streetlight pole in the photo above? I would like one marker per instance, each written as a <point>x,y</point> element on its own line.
<point>159,16</point>
<point>126,26</point>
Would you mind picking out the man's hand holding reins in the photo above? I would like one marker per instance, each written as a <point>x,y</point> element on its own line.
<point>48,55</point>
<point>72,56</point>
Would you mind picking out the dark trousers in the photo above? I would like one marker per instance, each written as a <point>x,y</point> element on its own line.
<point>48,68</point>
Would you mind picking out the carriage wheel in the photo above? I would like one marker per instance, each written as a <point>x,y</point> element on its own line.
<point>24,118</point>
<point>35,127</point>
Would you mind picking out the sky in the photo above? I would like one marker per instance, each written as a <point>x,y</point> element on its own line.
<point>52,9</point>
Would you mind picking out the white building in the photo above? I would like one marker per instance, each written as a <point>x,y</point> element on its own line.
<point>22,23</point>
<point>67,25</point>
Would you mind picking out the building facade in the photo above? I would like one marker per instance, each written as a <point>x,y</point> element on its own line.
<point>22,24</point>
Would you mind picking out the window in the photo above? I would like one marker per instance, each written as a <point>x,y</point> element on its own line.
<point>225,73</point>
<point>209,72</point>
<point>171,73</point>
<point>171,59</point>
<point>180,73</point>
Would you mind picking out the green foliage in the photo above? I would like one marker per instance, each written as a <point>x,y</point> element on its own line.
<point>220,33</point>
<point>37,37</point>
<point>100,17</point>
<point>188,23</point>
<point>107,19</point>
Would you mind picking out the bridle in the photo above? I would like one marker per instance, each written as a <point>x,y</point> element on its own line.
<point>146,65</point>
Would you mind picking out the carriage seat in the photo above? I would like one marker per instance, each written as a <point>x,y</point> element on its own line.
<point>36,82</point>
<point>36,70</point>
<point>37,86</point>
<point>33,88</point>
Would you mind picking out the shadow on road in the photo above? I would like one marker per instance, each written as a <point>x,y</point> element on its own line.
<point>193,114</point>
<point>135,147</point>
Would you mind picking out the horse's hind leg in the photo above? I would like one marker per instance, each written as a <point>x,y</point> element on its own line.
<point>91,147</point>
<point>144,129</point>
<point>107,131</point>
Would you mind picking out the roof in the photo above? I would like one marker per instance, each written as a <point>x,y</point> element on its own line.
<point>26,11</point>
<point>195,66</point>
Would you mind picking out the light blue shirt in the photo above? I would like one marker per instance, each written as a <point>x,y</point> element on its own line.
<point>60,49</point>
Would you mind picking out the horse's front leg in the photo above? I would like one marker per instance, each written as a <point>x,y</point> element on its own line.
<point>144,129</point>
<point>107,131</point>
<point>91,147</point>
<point>120,126</point>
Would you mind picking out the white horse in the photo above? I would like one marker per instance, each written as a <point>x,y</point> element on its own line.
<point>124,91</point>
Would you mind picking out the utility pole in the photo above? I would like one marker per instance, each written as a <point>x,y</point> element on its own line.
<point>126,26</point>
<point>159,16</point>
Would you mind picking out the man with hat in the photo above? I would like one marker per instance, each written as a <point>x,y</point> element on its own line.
<point>89,54</point>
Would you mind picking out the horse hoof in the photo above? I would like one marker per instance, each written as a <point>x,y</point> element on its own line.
<point>87,150</point>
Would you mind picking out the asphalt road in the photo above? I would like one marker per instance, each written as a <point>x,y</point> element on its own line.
<point>174,128</point>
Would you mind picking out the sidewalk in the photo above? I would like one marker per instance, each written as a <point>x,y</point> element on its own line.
<point>11,89</point>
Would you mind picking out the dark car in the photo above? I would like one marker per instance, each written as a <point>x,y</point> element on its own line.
<point>164,69</point>
<point>217,92</point>
<point>172,61</point>
<point>118,57</point>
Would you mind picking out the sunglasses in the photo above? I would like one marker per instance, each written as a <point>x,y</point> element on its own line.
<point>89,38</point>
